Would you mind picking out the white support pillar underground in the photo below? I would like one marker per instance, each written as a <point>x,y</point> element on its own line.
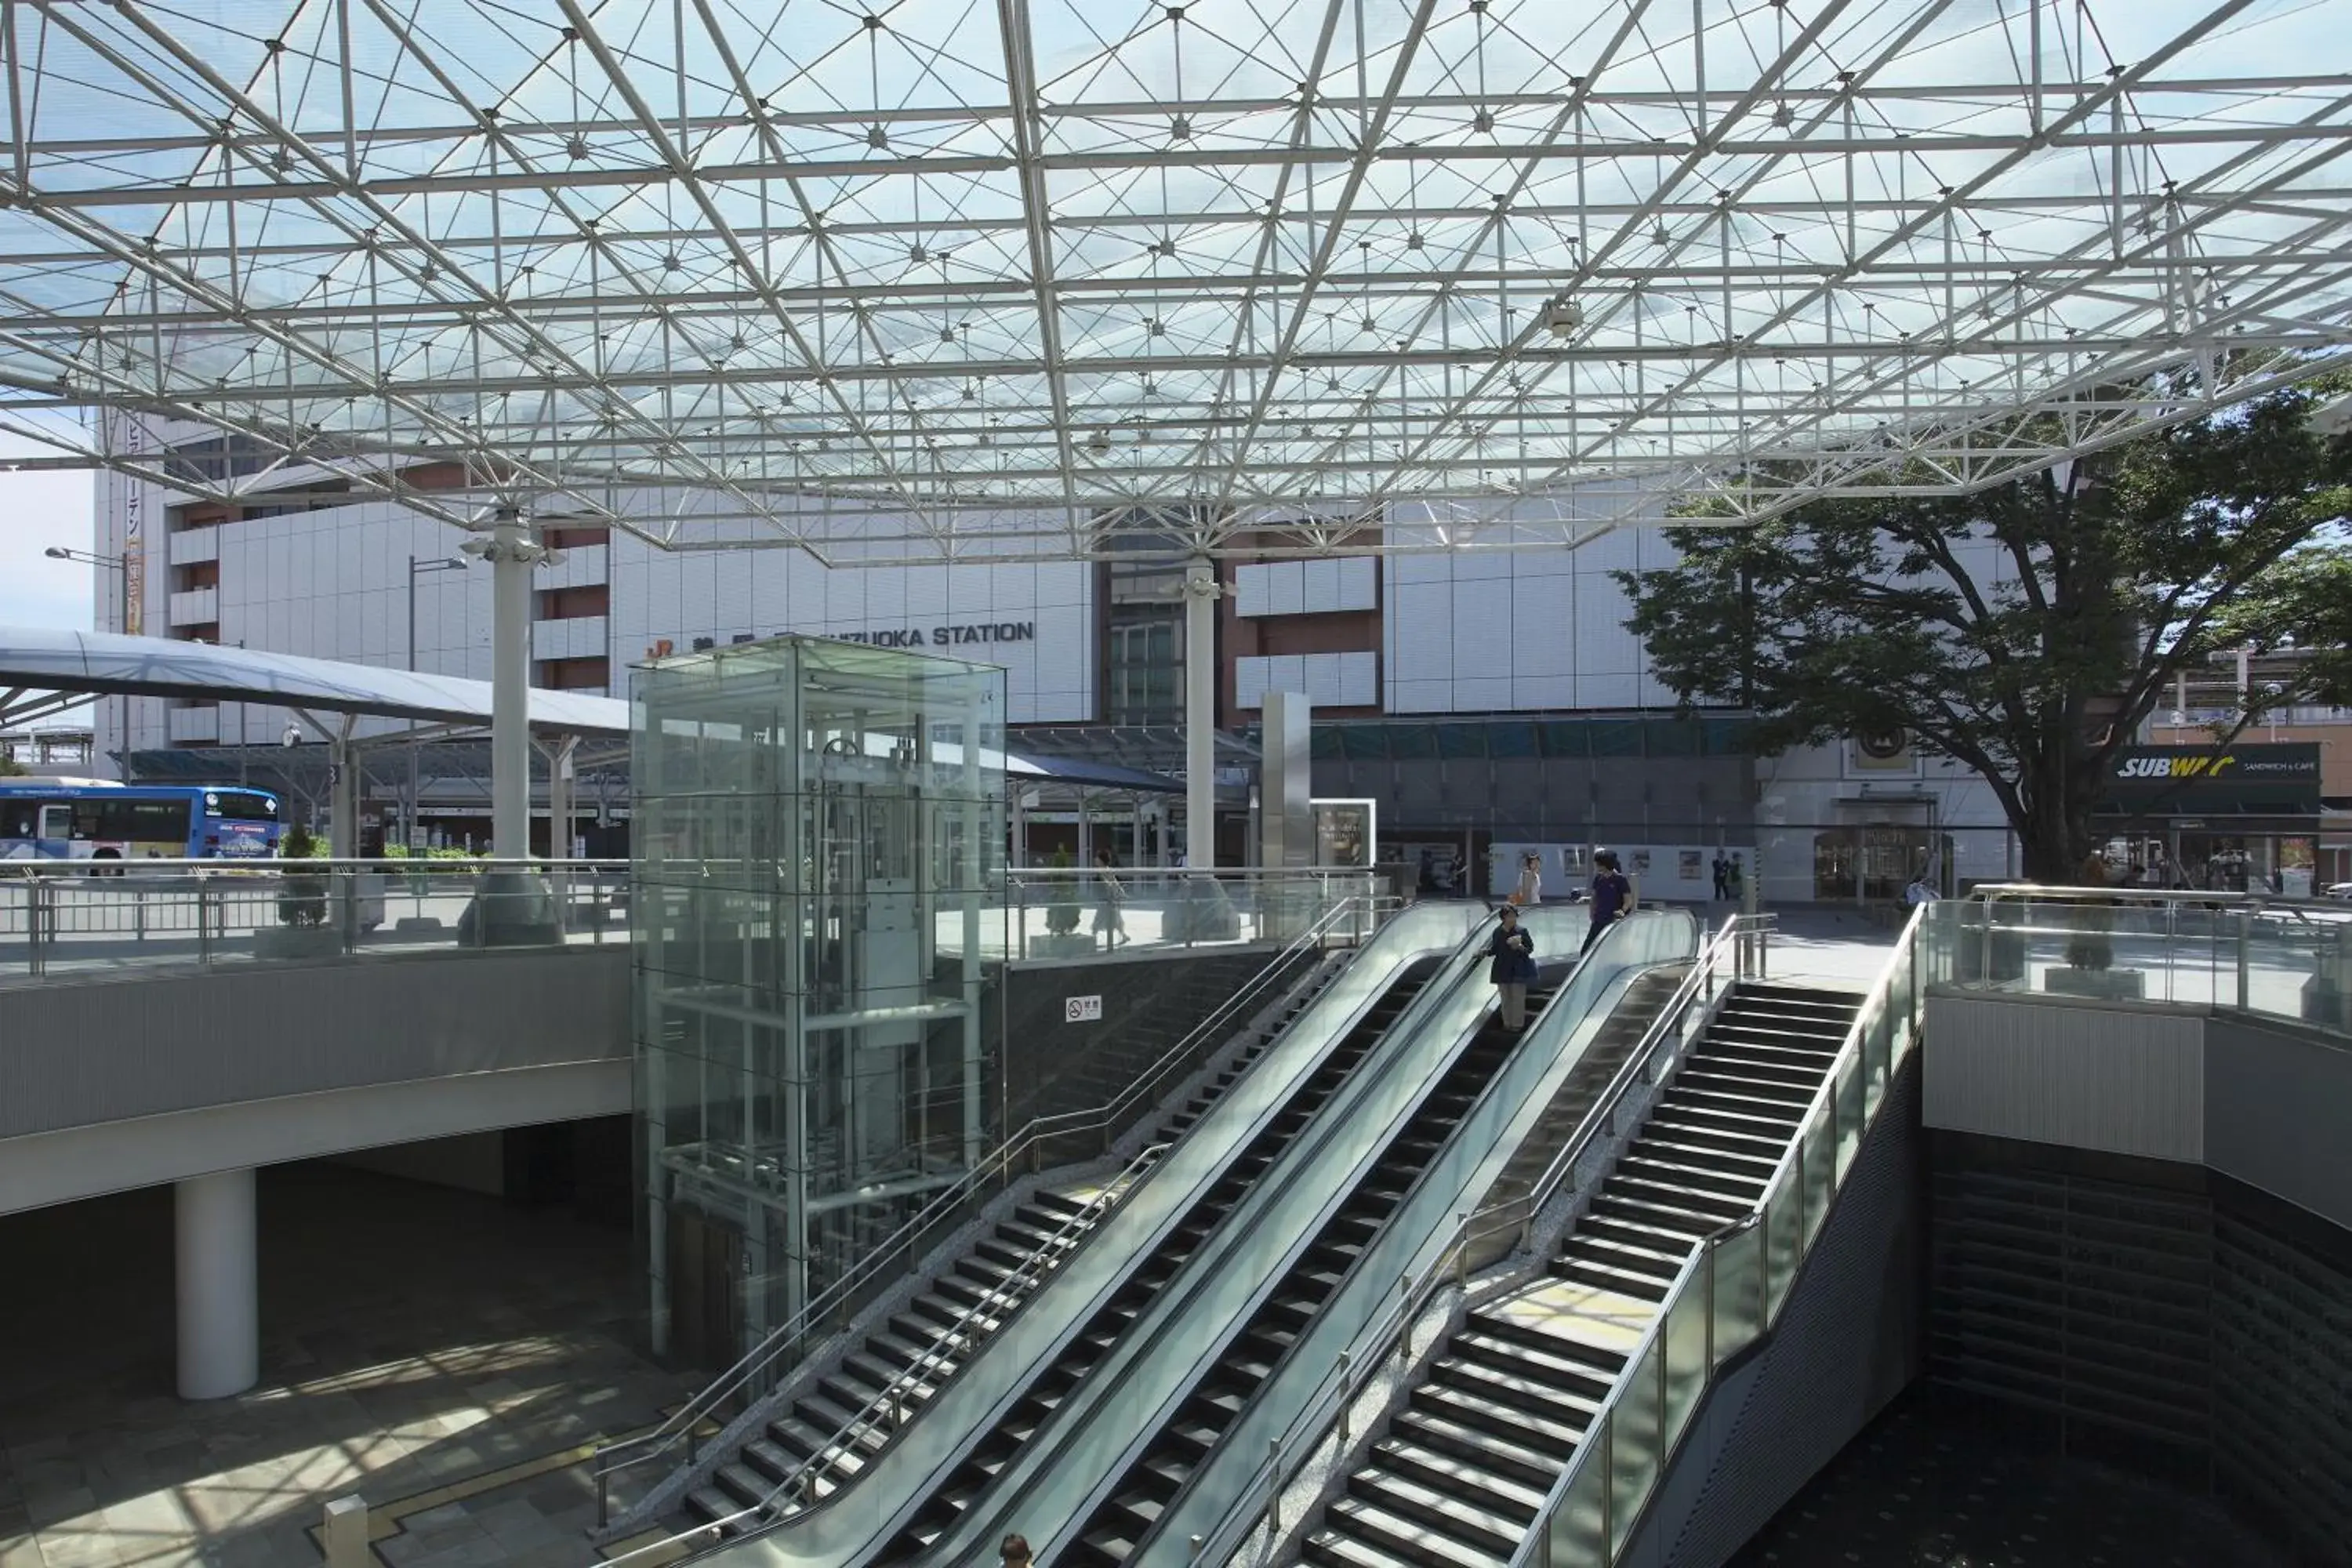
<point>218,1285</point>
<point>1200,715</point>
<point>511,553</point>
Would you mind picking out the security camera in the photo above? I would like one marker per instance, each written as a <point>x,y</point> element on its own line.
<point>1562,315</point>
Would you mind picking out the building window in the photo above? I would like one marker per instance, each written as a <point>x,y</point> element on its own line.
<point>1147,671</point>
<point>573,674</point>
<point>574,603</point>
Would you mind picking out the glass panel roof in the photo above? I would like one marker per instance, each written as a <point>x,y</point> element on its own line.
<point>898,280</point>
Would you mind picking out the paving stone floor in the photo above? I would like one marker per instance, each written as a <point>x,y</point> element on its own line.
<point>1926,1486</point>
<point>441,1353</point>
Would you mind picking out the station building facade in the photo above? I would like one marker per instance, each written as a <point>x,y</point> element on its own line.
<point>1485,699</point>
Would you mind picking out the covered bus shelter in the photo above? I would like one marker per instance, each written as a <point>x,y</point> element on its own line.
<point>43,671</point>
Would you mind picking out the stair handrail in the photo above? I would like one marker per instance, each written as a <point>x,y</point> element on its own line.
<point>1535,1546</point>
<point>1334,1398</point>
<point>891,1401</point>
<point>683,1427</point>
<point>1729,947</point>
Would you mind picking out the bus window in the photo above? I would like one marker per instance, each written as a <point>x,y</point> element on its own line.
<point>241,804</point>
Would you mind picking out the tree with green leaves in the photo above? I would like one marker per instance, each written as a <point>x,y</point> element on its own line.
<point>11,768</point>
<point>2026,630</point>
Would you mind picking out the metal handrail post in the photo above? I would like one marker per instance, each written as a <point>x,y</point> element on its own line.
<point>2245,966</point>
<point>36,913</point>
<point>204,922</point>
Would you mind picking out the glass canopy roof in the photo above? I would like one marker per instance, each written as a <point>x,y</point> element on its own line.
<point>901,280</point>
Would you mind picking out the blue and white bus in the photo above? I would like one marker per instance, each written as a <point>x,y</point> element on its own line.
<point>89,819</point>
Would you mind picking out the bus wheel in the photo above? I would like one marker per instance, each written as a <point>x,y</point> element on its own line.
<point>114,870</point>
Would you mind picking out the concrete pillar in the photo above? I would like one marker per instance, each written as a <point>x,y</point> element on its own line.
<point>511,553</point>
<point>1200,715</point>
<point>219,1285</point>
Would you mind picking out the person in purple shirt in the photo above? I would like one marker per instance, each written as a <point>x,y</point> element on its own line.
<point>1611,898</point>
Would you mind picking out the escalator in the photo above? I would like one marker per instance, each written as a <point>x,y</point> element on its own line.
<point>937,1332</point>
<point>1249,1356</point>
<point>916,1483</point>
<point>1047,1389</point>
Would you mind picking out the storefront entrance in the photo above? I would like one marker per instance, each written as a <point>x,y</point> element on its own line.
<point>1871,863</point>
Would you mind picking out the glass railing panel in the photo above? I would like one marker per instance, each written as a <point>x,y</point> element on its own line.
<point>1688,1362</point>
<point>1637,1446</point>
<point>1818,1167</point>
<point>1782,1222</point>
<point>1847,1091</point>
<point>1739,1291</point>
<point>1578,1530</point>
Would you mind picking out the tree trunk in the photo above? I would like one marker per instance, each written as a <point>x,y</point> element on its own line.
<point>2053,839</point>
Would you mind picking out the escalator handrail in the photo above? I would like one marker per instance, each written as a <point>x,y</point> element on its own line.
<point>682,1427</point>
<point>1335,1397</point>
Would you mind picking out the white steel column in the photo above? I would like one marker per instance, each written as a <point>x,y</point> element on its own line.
<point>511,554</point>
<point>218,1285</point>
<point>1200,715</point>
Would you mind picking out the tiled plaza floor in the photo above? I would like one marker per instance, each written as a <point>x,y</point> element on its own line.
<point>1926,1486</point>
<point>441,1354</point>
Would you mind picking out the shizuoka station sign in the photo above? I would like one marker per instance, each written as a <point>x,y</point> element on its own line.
<point>945,636</point>
<point>978,632</point>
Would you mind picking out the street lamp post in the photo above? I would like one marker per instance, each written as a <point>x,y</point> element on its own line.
<point>121,569</point>
<point>415,569</point>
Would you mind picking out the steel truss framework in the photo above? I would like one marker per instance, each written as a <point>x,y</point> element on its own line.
<point>915,279</point>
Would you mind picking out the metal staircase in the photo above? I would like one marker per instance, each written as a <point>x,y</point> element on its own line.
<point>1462,1471</point>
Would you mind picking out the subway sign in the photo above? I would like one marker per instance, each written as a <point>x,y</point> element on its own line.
<point>2206,779</point>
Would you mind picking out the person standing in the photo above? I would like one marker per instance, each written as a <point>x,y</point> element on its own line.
<point>1529,891</point>
<point>1612,896</point>
<point>1722,877</point>
<point>1513,968</point>
<point>1109,895</point>
<point>1013,1551</point>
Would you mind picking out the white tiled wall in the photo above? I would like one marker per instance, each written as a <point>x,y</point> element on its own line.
<point>1329,680</point>
<point>1521,629</point>
<point>1306,587</point>
<point>657,595</point>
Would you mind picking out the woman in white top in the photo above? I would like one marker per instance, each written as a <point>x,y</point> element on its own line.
<point>1530,893</point>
